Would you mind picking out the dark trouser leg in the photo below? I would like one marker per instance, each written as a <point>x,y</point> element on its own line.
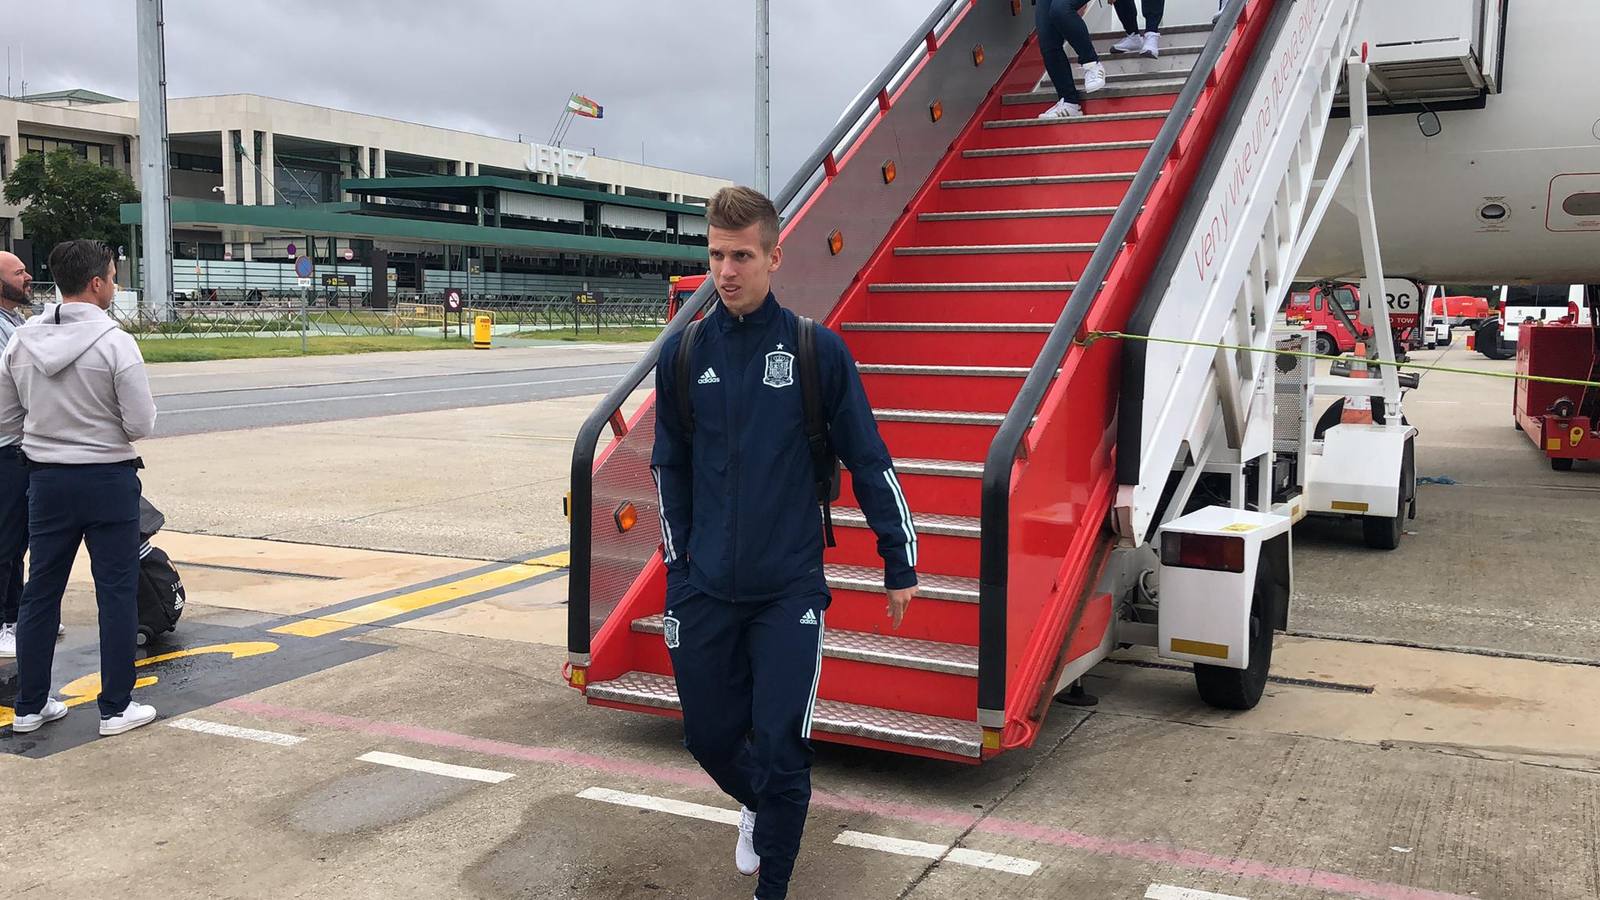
<point>1128,15</point>
<point>13,532</point>
<point>786,661</point>
<point>1153,12</point>
<point>1058,21</point>
<point>111,531</point>
<point>54,532</point>
<point>711,662</point>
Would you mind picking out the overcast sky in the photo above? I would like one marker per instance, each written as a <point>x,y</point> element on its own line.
<point>673,75</point>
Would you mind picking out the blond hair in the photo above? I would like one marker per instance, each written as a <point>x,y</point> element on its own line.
<point>737,208</point>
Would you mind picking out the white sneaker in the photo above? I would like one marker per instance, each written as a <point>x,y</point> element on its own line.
<point>61,630</point>
<point>1094,76</point>
<point>1152,45</point>
<point>744,852</point>
<point>1133,43</point>
<point>131,717</point>
<point>53,710</point>
<point>1062,110</point>
<point>8,641</point>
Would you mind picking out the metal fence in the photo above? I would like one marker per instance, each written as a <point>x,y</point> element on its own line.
<point>259,312</point>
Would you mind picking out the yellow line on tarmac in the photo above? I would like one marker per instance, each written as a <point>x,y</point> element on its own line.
<point>388,608</point>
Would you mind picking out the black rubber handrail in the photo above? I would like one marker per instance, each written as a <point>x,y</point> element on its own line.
<point>609,411</point>
<point>994,560</point>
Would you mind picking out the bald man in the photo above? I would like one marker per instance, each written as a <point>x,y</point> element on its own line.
<point>14,299</point>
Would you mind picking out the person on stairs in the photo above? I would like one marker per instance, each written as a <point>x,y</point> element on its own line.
<point>1061,22</point>
<point>1148,41</point>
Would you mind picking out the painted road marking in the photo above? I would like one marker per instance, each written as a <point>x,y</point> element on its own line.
<point>385,395</point>
<point>400,604</point>
<point>234,731</point>
<point>923,850</point>
<point>865,841</point>
<point>1173,892</point>
<point>466,773</point>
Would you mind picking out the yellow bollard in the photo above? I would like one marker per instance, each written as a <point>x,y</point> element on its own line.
<point>482,332</point>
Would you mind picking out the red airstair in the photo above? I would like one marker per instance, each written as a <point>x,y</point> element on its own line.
<point>943,231</point>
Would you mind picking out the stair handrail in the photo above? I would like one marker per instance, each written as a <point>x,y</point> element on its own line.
<point>801,187</point>
<point>995,514</point>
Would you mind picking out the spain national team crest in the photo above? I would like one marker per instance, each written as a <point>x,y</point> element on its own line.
<point>780,369</point>
<point>670,631</point>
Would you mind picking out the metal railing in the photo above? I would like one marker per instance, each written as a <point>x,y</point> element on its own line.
<point>995,552</point>
<point>808,179</point>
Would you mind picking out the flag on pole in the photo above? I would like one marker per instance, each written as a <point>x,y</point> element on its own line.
<point>578,104</point>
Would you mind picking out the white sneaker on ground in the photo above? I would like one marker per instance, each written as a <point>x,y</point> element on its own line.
<point>8,641</point>
<point>1152,45</point>
<point>1133,43</point>
<point>61,630</point>
<point>53,710</point>
<point>131,717</point>
<point>1062,110</point>
<point>744,852</point>
<point>1094,76</point>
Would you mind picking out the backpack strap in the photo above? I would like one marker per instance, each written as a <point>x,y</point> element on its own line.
<point>681,372</point>
<point>824,464</point>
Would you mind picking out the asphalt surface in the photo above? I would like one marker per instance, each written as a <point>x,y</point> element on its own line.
<point>199,408</point>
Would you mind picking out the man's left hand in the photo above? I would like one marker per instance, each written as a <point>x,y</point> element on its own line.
<point>899,600</point>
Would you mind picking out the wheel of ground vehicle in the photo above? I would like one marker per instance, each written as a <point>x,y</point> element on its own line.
<point>1560,464</point>
<point>1490,344</point>
<point>1226,688</point>
<point>1384,533</point>
<point>1326,345</point>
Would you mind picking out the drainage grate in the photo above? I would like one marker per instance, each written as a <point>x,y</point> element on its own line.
<point>248,571</point>
<point>1275,679</point>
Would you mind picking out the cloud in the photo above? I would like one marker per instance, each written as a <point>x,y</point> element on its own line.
<point>676,78</point>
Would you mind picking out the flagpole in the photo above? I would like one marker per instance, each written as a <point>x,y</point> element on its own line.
<point>763,98</point>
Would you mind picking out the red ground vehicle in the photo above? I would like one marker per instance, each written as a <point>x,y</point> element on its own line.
<point>1313,310</point>
<point>1462,310</point>
<point>681,289</point>
<point>1561,419</point>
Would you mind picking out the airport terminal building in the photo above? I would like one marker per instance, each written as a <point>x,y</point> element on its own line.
<point>256,181</point>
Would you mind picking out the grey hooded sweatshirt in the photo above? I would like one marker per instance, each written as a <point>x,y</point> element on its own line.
<point>73,385</point>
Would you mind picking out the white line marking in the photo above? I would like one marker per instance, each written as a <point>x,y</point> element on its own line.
<point>662,804</point>
<point>960,855</point>
<point>388,394</point>
<point>234,731</point>
<point>1173,892</point>
<point>431,767</point>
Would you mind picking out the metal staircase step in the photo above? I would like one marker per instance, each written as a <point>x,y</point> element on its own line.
<point>952,588</point>
<point>1039,327</point>
<point>950,468</point>
<point>1143,87</point>
<point>987,152</point>
<point>933,286</point>
<point>883,649</point>
<point>982,214</point>
<point>951,371</point>
<point>975,249</point>
<point>1166,31</point>
<point>1031,180</point>
<point>926,523</point>
<point>951,736</point>
<point>1091,119</point>
<point>938,417</point>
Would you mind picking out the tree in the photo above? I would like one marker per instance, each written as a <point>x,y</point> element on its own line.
<point>69,197</point>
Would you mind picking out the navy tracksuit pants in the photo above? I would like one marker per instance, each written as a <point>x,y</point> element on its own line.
<point>747,678</point>
<point>1058,22</point>
<point>13,530</point>
<point>68,505</point>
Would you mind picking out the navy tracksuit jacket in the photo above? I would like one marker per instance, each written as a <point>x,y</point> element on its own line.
<point>741,533</point>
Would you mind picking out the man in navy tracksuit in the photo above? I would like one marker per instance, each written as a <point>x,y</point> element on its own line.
<point>741,532</point>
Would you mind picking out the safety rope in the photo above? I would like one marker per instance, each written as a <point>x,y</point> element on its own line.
<point>1094,336</point>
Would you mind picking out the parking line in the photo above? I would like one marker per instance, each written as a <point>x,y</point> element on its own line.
<point>234,731</point>
<point>959,855</point>
<point>1173,892</point>
<point>432,767</point>
<point>400,604</point>
<point>662,804</point>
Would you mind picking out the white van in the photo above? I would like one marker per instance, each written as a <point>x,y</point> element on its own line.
<point>1519,303</point>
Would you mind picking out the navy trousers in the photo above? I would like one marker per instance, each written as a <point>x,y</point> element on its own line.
<point>1128,14</point>
<point>1058,22</point>
<point>747,677</point>
<point>13,530</point>
<point>67,506</point>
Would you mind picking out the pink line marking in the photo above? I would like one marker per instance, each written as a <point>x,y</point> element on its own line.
<point>1136,851</point>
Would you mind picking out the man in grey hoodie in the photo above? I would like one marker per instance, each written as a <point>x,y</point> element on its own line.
<point>73,385</point>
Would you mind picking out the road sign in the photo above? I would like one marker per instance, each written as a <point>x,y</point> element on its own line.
<point>349,254</point>
<point>331,280</point>
<point>303,267</point>
<point>303,282</point>
<point>452,300</point>
<point>290,250</point>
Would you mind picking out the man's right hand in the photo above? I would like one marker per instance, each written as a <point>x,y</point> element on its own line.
<point>899,600</point>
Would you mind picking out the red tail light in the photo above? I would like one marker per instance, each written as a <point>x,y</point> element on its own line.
<point>1202,551</point>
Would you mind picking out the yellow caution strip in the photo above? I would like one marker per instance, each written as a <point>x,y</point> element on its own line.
<point>400,604</point>
<point>1200,648</point>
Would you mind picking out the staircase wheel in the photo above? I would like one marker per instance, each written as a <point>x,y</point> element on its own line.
<point>1226,688</point>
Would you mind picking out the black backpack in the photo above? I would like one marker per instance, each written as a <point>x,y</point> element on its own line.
<point>161,594</point>
<point>824,461</point>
